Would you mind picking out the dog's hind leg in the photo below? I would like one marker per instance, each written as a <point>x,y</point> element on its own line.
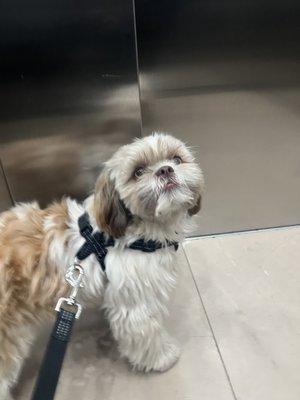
<point>15,343</point>
<point>5,392</point>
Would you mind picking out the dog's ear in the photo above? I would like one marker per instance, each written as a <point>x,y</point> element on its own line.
<point>110,212</point>
<point>196,208</point>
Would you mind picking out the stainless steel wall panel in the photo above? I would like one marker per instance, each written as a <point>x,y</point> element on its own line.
<point>225,77</point>
<point>68,93</point>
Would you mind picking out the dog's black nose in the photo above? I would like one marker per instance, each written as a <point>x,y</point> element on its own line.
<point>164,171</point>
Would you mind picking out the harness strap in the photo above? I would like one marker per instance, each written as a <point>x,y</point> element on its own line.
<point>151,245</point>
<point>97,243</point>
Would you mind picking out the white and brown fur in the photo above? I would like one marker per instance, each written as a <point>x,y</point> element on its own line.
<point>37,246</point>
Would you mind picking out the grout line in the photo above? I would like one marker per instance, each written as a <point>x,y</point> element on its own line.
<point>211,328</point>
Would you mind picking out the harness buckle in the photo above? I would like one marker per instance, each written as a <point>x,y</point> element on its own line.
<point>74,276</point>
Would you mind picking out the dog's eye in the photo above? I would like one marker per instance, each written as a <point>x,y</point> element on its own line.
<point>177,160</point>
<point>139,171</point>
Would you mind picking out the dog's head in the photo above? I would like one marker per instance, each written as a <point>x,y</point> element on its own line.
<point>154,178</point>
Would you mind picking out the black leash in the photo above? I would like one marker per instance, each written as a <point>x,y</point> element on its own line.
<point>53,359</point>
<point>49,372</point>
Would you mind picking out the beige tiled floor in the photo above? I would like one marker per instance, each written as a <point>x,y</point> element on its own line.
<point>236,313</point>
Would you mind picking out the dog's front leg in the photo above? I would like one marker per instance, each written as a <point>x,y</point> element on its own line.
<point>140,333</point>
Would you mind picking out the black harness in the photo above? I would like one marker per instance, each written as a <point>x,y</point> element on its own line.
<point>96,243</point>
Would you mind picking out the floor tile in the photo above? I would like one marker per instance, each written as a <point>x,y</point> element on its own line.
<point>93,370</point>
<point>250,286</point>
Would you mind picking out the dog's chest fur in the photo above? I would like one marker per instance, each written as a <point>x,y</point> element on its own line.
<point>130,274</point>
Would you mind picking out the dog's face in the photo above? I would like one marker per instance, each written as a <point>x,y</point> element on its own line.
<point>155,178</point>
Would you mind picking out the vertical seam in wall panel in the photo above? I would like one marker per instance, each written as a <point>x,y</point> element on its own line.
<point>137,64</point>
<point>6,183</point>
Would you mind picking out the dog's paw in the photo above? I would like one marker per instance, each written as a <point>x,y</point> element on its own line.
<point>168,356</point>
<point>163,360</point>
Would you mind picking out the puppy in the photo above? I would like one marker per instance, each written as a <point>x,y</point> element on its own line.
<point>148,190</point>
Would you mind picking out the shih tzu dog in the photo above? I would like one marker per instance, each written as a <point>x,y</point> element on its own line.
<point>146,193</point>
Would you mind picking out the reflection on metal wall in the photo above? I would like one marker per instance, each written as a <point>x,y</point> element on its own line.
<point>225,76</point>
<point>69,92</point>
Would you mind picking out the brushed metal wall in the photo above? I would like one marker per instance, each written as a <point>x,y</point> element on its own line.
<point>225,77</point>
<point>69,94</point>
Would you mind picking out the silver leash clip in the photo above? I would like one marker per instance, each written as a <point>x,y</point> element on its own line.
<point>74,277</point>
